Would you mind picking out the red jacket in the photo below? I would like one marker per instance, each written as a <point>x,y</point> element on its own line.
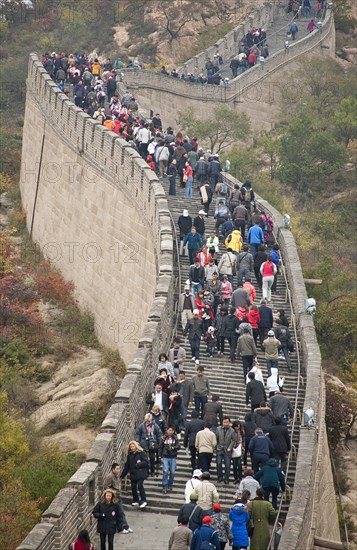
<point>79,545</point>
<point>254,318</point>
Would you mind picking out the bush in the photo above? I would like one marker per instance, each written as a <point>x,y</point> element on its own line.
<point>45,473</point>
<point>111,360</point>
<point>341,414</point>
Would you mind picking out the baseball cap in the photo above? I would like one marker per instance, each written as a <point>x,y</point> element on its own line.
<point>197,473</point>
<point>207,520</point>
<point>271,333</point>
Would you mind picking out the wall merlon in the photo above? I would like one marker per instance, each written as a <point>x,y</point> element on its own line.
<point>64,498</point>
<point>84,474</point>
<point>100,447</point>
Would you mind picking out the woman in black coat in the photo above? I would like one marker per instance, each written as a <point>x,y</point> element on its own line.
<point>137,467</point>
<point>109,517</point>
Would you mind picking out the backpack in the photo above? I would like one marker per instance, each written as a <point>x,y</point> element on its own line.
<point>224,188</point>
<point>207,545</point>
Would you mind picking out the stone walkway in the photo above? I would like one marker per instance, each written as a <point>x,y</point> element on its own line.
<point>151,532</point>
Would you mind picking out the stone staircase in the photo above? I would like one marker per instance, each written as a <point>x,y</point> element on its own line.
<point>226,380</point>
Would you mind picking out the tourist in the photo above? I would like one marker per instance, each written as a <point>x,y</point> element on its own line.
<point>192,483</point>
<point>261,448</point>
<point>262,513</point>
<point>239,517</point>
<point>181,536</point>
<point>136,466</point>
<point>205,534</point>
<point>83,542</point>
<point>280,439</point>
<point>148,436</point>
<point>248,483</point>
<point>112,481</point>
<point>192,511</point>
<point>206,443</point>
<point>169,446</point>
<point>109,521</point>
<point>272,479</point>
<point>220,523</point>
<point>194,426</point>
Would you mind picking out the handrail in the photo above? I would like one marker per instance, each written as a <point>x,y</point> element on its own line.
<point>293,425</point>
<point>179,283</point>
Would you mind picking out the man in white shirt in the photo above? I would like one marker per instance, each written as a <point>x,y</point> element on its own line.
<point>192,484</point>
<point>144,136</point>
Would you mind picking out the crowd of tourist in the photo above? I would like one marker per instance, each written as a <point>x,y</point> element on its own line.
<point>218,306</point>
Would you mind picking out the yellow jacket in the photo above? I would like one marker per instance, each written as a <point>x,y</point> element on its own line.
<point>96,68</point>
<point>234,241</point>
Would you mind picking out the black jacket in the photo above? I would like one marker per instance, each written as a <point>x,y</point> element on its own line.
<point>212,412</point>
<point>169,446</point>
<point>165,401</point>
<point>279,436</point>
<point>197,275</point>
<point>199,224</point>
<point>193,427</point>
<point>109,518</point>
<point>194,328</point>
<point>266,317</point>
<point>259,258</point>
<point>255,392</point>
<point>283,334</point>
<point>185,224</point>
<point>249,427</point>
<point>264,418</point>
<point>136,465</point>
<point>229,325</point>
<point>196,518</point>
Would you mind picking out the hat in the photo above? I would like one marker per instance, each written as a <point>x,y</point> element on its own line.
<point>217,507</point>
<point>240,506</point>
<point>196,312</point>
<point>186,287</point>
<point>202,212</point>
<point>197,473</point>
<point>193,496</point>
<point>206,520</point>
<point>271,333</point>
<point>210,329</point>
<point>206,475</point>
<point>185,213</point>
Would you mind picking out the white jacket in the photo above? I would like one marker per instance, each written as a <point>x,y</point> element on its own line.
<point>258,375</point>
<point>190,487</point>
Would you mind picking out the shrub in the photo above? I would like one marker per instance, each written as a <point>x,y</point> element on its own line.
<point>45,473</point>
<point>112,360</point>
<point>51,285</point>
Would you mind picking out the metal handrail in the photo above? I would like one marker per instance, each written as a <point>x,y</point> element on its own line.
<point>179,283</point>
<point>293,425</point>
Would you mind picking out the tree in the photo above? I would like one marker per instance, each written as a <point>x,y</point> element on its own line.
<point>225,128</point>
<point>341,414</point>
<point>244,163</point>
<point>309,156</point>
<point>345,120</point>
<point>13,445</point>
<point>270,147</point>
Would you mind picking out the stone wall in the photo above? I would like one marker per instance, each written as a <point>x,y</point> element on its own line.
<point>257,92</point>
<point>228,45</point>
<point>312,509</point>
<point>81,184</point>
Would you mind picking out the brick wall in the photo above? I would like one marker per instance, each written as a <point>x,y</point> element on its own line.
<point>94,196</point>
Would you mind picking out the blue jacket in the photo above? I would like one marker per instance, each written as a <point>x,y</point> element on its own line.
<point>204,534</point>
<point>194,241</point>
<point>261,445</point>
<point>275,257</point>
<point>255,235</point>
<point>239,517</point>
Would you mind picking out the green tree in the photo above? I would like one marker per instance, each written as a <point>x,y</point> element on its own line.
<point>244,162</point>
<point>308,156</point>
<point>222,130</point>
<point>269,146</point>
<point>345,120</point>
<point>13,445</point>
